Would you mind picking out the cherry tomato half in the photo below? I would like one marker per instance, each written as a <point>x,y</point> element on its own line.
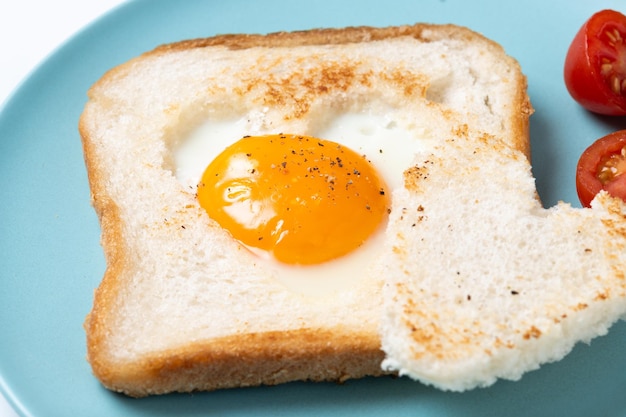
<point>595,65</point>
<point>602,166</point>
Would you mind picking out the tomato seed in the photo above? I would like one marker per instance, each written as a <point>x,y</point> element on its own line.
<point>612,166</point>
<point>616,84</point>
<point>614,36</point>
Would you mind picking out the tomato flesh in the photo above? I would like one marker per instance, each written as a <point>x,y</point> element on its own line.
<point>602,166</point>
<point>595,65</point>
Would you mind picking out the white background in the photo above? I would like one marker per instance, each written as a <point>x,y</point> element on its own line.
<point>30,30</point>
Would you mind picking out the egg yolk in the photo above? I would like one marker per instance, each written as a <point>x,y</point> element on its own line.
<point>302,199</point>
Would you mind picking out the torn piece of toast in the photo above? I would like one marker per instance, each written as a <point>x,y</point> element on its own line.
<point>482,282</point>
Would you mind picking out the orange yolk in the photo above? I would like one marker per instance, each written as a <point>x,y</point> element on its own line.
<point>302,199</point>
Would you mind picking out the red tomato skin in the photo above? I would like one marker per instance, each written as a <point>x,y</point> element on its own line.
<point>587,182</point>
<point>581,72</point>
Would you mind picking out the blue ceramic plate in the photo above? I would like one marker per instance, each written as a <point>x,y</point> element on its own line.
<point>51,261</point>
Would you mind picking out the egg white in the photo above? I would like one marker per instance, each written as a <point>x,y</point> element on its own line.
<point>388,141</point>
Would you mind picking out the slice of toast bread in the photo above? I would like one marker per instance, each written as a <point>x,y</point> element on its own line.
<point>184,307</point>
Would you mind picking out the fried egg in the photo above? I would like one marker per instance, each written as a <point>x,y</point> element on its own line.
<point>311,206</point>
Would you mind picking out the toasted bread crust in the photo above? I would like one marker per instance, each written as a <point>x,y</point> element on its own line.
<point>246,359</point>
<point>249,360</point>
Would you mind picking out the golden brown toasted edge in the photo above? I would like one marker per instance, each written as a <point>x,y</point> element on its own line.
<point>326,36</point>
<point>112,241</point>
<point>521,117</point>
<point>249,360</point>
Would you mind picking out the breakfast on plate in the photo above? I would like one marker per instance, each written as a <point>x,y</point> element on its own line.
<point>332,204</point>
